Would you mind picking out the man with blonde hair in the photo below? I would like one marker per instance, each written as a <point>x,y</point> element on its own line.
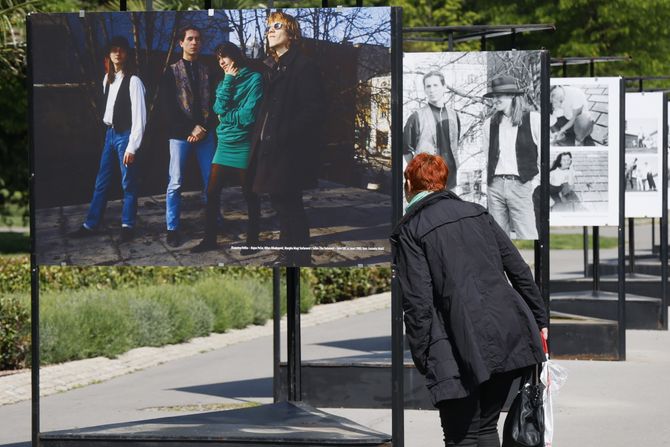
<point>288,136</point>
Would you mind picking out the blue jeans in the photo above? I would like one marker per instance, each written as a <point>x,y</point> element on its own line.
<point>113,151</point>
<point>179,150</point>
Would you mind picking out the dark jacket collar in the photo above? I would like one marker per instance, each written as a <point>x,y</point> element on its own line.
<point>288,57</point>
<point>421,204</point>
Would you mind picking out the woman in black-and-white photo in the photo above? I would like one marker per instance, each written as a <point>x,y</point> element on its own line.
<point>562,183</point>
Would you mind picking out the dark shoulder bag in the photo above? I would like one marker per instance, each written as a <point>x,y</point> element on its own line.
<point>524,425</point>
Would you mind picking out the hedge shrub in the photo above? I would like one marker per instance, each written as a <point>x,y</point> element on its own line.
<point>92,311</point>
<point>14,333</point>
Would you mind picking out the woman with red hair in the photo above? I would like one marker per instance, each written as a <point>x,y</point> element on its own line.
<point>470,330</point>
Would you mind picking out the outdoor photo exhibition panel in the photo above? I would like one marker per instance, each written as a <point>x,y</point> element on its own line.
<point>317,143</point>
<point>481,111</point>
<point>585,145</point>
<point>644,153</point>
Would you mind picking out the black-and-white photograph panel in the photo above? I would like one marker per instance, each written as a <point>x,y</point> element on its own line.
<point>644,156</point>
<point>238,137</point>
<point>481,112</point>
<point>585,144</point>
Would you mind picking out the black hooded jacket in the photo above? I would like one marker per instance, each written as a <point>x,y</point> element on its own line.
<point>464,320</point>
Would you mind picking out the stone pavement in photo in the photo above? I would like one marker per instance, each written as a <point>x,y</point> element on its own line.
<point>336,213</point>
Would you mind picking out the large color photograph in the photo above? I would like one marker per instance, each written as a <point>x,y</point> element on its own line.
<point>584,151</point>
<point>242,137</point>
<point>644,154</point>
<point>481,112</point>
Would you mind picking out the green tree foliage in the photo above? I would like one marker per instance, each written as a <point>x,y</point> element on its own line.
<point>635,28</point>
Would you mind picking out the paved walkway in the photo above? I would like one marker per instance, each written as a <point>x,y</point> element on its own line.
<point>66,376</point>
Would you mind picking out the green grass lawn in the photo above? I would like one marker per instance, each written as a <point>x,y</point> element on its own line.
<point>569,242</point>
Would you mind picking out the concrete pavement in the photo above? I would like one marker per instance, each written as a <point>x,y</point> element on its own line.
<point>609,403</point>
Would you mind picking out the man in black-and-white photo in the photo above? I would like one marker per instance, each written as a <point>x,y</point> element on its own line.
<point>434,128</point>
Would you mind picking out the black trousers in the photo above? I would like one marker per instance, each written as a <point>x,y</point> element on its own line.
<point>473,421</point>
<point>293,224</point>
<point>219,176</point>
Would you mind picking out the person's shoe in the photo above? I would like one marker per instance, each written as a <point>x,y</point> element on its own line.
<point>81,232</point>
<point>204,245</point>
<point>127,234</point>
<point>173,239</point>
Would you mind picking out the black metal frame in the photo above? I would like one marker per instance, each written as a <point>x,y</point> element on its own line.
<point>664,220</point>
<point>466,33</point>
<point>621,303</point>
<point>621,299</point>
<point>397,337</point>
<point>34,267</point>
<point>541,245</point>
<point>663,223</point>
<point>564,62</point>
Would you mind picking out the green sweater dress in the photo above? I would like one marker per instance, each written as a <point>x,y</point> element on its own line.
<point>237,98</point>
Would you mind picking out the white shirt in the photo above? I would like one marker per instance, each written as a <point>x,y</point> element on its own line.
<point>507,132</point>
<point>138,108</point>
<point>574,99</point>
<point>559,176</point>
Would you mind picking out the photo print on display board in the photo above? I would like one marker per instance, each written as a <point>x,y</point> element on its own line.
<point>584,152</point>
<point>481,111</point>
<point>643,151</point>
<point>295,149</point>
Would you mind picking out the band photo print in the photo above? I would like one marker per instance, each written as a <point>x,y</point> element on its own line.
<point>481,111</point>
<point>644,156</point>
<point>584,151</point>
<point>220,137</point>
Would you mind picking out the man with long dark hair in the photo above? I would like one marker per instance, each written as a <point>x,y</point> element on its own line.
<point>187,107</point>
<point>125,118</point>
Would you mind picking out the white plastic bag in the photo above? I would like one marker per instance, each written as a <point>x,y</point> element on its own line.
<point>553,377</point>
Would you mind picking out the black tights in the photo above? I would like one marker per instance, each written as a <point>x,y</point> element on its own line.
<point>217,178</point>
<point>473,421</point>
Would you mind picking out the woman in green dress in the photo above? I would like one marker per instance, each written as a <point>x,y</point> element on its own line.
<point>238,96</point>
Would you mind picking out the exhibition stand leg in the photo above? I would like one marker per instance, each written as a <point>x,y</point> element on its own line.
<point>585,243</point>
<point>596,260</point>
<point>397,329</point>
<point>631,246</point>
<point>276,332</point>
<point>293,334</point>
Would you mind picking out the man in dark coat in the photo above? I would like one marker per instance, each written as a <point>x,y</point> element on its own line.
<point>467,326</point>
<point>286,142</point>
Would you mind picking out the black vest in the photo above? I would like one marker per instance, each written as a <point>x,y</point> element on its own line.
<point>526,150</point>
<point>123,117</point>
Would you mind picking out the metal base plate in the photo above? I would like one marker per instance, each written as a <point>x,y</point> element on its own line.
<point>280,424</point>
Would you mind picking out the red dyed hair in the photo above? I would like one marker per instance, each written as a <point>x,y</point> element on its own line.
<point>427,173</point>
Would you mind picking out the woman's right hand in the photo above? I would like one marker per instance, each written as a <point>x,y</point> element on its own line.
<point>231,70</point>
<point>545,333</point>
